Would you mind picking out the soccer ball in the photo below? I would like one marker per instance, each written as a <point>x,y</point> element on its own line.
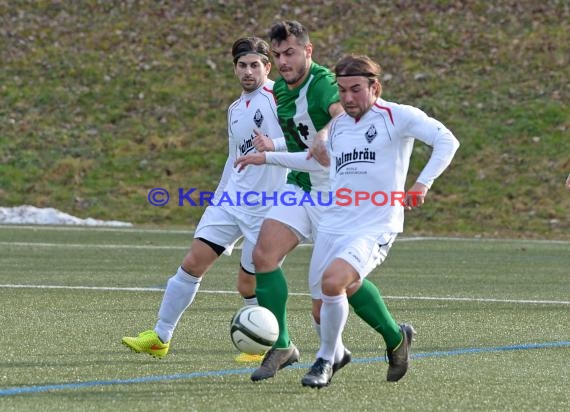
<point>254,330</point>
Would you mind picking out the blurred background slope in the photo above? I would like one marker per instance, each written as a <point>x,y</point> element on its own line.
<point>101,101</point>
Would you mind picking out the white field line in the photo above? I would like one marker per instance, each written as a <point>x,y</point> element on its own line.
<point>66,228</point>
<point>190,233</point>
<point>227,292</point>
<point>178,247</point>
<point>92,245</point>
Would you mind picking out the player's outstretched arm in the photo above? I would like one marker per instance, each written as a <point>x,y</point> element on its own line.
<point>249,159</point>
<point>294,161</point>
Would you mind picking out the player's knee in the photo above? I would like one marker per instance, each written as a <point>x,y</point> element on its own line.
<point>189,264</point>
<point>333,285</point>
<point>264,258</point>
<point>193,265</point>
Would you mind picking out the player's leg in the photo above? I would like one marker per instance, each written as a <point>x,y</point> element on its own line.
<point>275,241</point>
<point>246,286</point>
<point>334,313</point>
<point>282,230</point>
<point>342,356</point>
<point>181,289</point>
<point>179,294</point>
<point>319,261</point>
<point>250,227</point>
<point>367,302</point>
<point>365,298</point>
<point>216,233</point>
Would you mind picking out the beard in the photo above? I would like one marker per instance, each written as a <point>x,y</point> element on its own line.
<point>249,85</point>
<point>294,76</point>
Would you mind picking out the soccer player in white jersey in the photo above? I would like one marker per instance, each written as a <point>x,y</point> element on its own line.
<point>237,208</point>
<point>370,148</point>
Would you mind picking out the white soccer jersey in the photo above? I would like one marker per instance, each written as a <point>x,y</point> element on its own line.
<point>243,191</point>
<point>371,156</point>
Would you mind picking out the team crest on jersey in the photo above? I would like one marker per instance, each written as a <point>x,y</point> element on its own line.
<point>370,134</point>
<point>258,118</point>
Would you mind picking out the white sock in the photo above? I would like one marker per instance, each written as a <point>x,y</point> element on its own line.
<point>334,314</point>
<point>252,301</point>
<point>180,292</point>
<point>339,349</point>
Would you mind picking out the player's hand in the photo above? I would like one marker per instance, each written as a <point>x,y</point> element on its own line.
<point>415,196</point>
<point>318,149</point>
<point>249,159</point>
<point>568,182</point>
<point>262,143</point>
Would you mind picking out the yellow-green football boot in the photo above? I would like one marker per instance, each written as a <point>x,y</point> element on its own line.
<point>147,342</point>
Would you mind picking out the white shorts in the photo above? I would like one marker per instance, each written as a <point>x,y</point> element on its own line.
<point>364,253</point>
<point>223,228</point>
<point>297,212</point>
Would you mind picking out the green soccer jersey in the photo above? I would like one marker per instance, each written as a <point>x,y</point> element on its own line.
<point>302,112</point>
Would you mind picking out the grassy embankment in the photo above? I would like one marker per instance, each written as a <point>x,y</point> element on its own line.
<point>99,104</point>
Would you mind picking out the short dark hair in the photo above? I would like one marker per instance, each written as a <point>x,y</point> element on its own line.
<point>247,45</point>
<point>280,31</point>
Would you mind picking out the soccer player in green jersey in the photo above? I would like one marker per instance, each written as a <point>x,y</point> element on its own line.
<point>307,99</point>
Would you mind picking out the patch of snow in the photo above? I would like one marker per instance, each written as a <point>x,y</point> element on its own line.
<point>21,215</point>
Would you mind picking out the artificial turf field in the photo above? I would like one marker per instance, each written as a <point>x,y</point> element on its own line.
<point>492,316</point>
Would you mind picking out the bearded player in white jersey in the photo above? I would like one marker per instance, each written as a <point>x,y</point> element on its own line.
<point>237,208</point>
<point>370,148</point>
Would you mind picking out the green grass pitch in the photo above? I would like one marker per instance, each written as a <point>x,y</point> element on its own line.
<point>493,322</point>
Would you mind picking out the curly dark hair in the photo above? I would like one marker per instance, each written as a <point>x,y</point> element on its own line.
<point>280,31</point>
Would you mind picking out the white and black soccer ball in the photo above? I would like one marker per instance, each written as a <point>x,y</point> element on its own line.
<point>254,330</point>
